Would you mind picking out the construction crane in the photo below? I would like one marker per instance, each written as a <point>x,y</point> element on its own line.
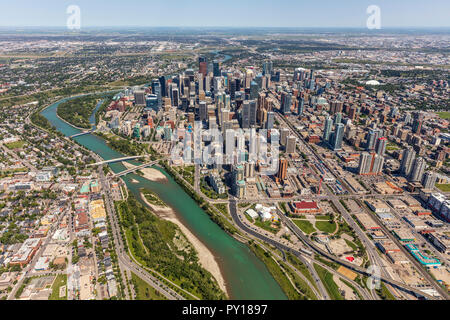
<point>320,185</point>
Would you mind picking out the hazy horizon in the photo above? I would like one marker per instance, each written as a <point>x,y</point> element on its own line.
<point>230,14</point>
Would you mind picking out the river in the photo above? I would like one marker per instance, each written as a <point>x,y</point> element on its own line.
<point>246,277</point>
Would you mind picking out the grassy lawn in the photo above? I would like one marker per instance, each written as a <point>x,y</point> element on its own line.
<point>305,226</point>
<point>15,145</point>
<point>322,217</point>
<point>353,288</point>
<point>222,207</point>
<point>153,198</point>
<point>392,146</point>
<point>327,279</point>
<point>443,187</point>
<point>61,280</point>
<point>266,225</point>
<point>243,205</point>
<point>384,293</point>
<point>277,272</point>
<point>326,226</point>
<point>144,291</point>
<point>300,266</point>
<point>444,115</point>
<point>351,245</point>
<point>299,283</point>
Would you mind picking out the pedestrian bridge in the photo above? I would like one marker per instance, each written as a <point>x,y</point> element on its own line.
<point>149,164</point>
<point>81,133</point>
<point>115,160</point>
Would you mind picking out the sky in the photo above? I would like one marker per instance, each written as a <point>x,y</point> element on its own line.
<point>226,13</point>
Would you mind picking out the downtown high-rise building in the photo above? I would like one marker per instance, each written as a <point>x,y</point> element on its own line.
<point>282,170</point>
<point>267,68</point>
<point>418,170</point>
<point>370,163</point>
<point>291,143</point>
<point>338,135</point>
<point>336,106</point>
<point>286,102</point>
<point>408,157</point>
<point>337,118</point>
<point>203,110</point>
<point>270,120</point>
<point>301,106</point>
<point>429,180</point>
<point>284,133</point>
<point>139,97</point>
<point>372,137</point>
<point>216,68</point>
<point>381,146</point>
<point>202,66</point>
<point>327,129</point>
<point>248,115</point>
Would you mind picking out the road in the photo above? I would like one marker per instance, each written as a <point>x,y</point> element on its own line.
<point>370,248</point>
<point>123,257</point>
<point>279,246</point>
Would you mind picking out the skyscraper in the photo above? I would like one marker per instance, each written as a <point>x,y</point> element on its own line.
<point>267,68</point>
<point>139,98</point>
<point>407,161</point>
<point>337,118</point>
<point>364,163</point>
<point>301,105</point>
<point>429,180</point>
<point>202,66</point>
<point>156,89</point>
<point>372,137</point>
<point>248,113</point>
<point>270,120</point>
<point>286,102</point>
<point>232,89</point>
<point>253,90</point>
<point>216,68</point>
<point>377,164</point>
<point>418,170</point>
<point>162,83</point>
<point>290,144</point>
<point>327,129</point>
<point>370,164</point>
<point>337,137</point>
<point>381,146</point>
<point>284,135</point>
<point>282,169</point>
<point>203,110</point>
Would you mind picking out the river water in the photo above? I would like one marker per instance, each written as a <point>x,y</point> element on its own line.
<point>246,277</point>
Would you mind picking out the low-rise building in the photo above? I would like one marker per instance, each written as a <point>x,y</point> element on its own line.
<point>305,207</point>
<point>424,260</point>
<point>26,252</point>
<point>441,241</point>
<point>378,206</point>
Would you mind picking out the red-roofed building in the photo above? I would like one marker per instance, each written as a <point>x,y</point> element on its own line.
<point>305,207</point>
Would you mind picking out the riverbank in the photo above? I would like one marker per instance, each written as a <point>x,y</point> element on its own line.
<point>205,256</point>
